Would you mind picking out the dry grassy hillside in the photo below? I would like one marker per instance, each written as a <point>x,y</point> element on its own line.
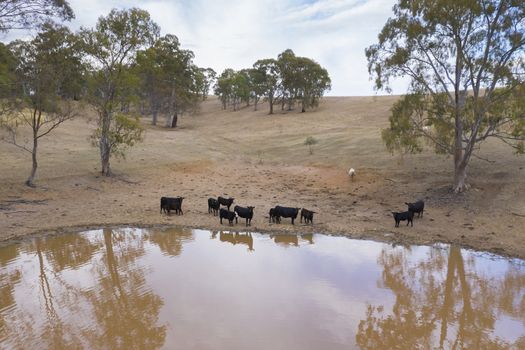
<point>261,160</point>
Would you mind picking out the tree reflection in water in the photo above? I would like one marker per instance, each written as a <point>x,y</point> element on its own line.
<point>8,278</point>
<point>439,303</point>
<point>100,290</point>
<point>113,312</point>
<point>125,314</point>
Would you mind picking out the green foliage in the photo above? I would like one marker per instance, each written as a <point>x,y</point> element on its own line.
<point>289,77</point>
<point>310,141</point>
<point>171,83</point>
<point>48,68</point>
<point>224,86</point>
<point>125,131</point>
<point>111,49</point>
<point>204,79</point>
<point>465,60</point>
<point>8,63</point>
<point>42,75</point>
<point>311,80</point>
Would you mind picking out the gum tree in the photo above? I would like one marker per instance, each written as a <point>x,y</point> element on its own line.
<point>269,69</point>
<point>465,60</point>
<point>48,74</point>
<point>111,48</point>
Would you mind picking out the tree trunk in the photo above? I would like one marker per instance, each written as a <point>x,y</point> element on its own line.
<point>460,158</point>
<point>303,109</point>
<point>460,177</point>
<point>174,120</point>
<point>104,144</point>
<point>104,156</point>
<point>31,177</point>
<point>270,100</point>
<point>154,121</point>
<point>448,296</point>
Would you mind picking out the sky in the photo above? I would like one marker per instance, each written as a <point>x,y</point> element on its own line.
<point>236,33</point>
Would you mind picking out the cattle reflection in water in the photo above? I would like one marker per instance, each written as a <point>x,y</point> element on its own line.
<point>247,239</point>
<point>236,238</point>
<point>287,239</point>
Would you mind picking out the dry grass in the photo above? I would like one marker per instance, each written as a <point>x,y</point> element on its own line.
<point>262,160</point>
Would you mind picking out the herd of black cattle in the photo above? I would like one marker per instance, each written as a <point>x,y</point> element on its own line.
<point>167,204</point>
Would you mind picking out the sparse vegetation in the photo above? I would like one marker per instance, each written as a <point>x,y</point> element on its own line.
<point>310,142</point>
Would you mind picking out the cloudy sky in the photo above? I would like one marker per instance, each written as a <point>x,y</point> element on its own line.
<point>236,33</point>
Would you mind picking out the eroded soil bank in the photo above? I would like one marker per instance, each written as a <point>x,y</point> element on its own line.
<point>359,209</point>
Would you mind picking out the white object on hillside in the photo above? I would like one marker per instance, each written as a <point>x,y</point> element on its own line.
<point>351,173</point>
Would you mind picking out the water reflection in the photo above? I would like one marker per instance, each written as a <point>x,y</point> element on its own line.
<point>114,312</point>
<point>171,244</point>
<point>236,238</point>
<point>123,289</point>
<point>442,303</point>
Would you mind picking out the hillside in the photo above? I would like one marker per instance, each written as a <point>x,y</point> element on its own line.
<point>260,160</point>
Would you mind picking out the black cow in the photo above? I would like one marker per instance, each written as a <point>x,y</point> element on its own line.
<point>416,207</point>
<point>171,203</point>
<point>226,214</point>
<point>273,216</point>
<point>286,212</point>
<point>308,216</point>
<point>245,213</point>
<point>225,201</point>
<point>406,215</point>
<point>213,205</point>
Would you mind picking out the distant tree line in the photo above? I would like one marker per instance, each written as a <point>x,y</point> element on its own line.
<point>122,67</point>
<point>287,80</point>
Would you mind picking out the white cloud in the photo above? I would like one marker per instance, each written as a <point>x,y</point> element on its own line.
<point>236,33</point>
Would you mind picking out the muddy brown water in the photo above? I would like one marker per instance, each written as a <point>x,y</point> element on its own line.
<point>194,289</point>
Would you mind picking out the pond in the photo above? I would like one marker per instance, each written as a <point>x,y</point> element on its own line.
<point>194,289</point>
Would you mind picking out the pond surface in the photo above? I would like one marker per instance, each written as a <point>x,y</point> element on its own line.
<point>194,289</point>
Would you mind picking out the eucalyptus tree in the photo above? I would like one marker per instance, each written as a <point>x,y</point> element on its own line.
<point>205,78</point>
<point>169,78</point>
<point>311,82</point>
<point>465,60</point>
<point>269,69</point>
<point>287,62</point>
<point>111,47</point>
<point>48,74</point>
<point>224,87</point>
<point>257,85</point>
<point>241,88</point>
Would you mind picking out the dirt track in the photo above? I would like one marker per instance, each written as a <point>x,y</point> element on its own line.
<point>260,160</point>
